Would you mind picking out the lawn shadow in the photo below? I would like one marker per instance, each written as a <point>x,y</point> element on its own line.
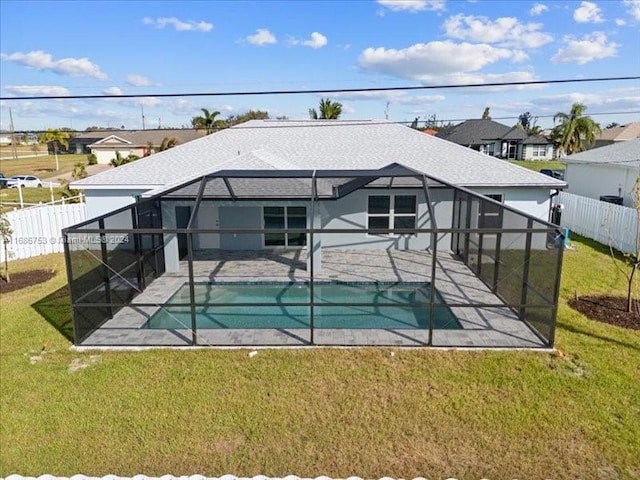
<point>579,331</point>
<point>56,309</point>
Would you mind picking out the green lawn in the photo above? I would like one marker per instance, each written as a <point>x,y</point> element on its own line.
<point>9,197</point>
<point>538,165</point>
<point>310,412</point>
<point>43,167</point>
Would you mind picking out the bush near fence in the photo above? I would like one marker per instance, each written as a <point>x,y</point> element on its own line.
<point>604,222</point>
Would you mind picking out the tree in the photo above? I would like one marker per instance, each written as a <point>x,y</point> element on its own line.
<point>246,116</point>
<point>167,143</point>
<point>5,235</point>
<point>486,115</point>
<point>525,120</point>
<point>328,110</point>
<point>414,124</point>
<point>574,130</point>
<point>120,160</point>
<point>56,137</point>
<point>207,121</point>
<point>630,262</point>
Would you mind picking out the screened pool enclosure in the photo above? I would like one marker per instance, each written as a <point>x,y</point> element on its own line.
<point>292,258</point>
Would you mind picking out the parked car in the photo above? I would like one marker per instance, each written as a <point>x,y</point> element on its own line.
<point>559,174</point>
<point>3,181</point>
<point>24,181</point>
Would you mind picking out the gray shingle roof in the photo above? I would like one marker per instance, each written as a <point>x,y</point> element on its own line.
<point>320,145</point>
<point>474,132</point>
<point>620,154</point>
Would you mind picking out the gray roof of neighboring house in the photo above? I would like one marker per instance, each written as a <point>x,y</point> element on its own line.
<point>143,137</point>
<point>619,154</point>
<point>480,131</point>
<point>619,134</point>
<point>320,145</point>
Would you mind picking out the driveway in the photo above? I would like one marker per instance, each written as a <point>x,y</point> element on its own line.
<point>91,170</point>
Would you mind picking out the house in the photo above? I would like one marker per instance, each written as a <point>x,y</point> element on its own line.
<point>316,232</point>
<point>610,171</point>
<point>613,135</point>
<point>105,143</point>
<point>320,145</point>
<point>498,140</point>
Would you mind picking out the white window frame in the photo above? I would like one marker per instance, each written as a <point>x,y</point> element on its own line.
<point>286,225</point>
<point>538,151</point>
<point>392,213</point>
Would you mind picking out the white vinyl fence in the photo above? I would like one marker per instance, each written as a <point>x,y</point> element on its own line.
<point>604,222</point>
<point>37,230</point>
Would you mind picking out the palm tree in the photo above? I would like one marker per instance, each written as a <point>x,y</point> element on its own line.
<point>574,130</point>
<point>207,121</point>
<point>57,138</point>
<point>328,110</point>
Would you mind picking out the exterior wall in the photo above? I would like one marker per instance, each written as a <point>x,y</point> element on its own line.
<point>596,180</point>
<point>534,201</point>
<point>100,202</point>
<point>528,153</point>
<point>351,212</point>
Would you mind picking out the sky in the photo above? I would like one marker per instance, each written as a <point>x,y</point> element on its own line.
<point>155,47</point>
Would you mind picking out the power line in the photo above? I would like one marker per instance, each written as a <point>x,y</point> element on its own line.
<point>325,91</point>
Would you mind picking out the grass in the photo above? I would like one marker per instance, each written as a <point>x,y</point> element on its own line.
<point>43,167</point>
<point>29,195</point>
<point>538,165</point>
<point>337,412</point>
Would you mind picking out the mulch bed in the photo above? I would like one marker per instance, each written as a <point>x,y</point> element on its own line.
<point>24,279</point>
<point>611,310</point>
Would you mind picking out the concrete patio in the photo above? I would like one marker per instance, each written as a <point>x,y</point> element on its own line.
<point>486,327</point>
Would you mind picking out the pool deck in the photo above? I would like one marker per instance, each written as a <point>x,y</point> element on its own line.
<point>485,327</point>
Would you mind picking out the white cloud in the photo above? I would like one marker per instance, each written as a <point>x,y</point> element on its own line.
<point>589,48</point>
<point>633,7</point>
<point>621,100</point>
<point>414,5</point>
<point>538,9</point>
<point>588,12</point>
<point>621,22</point>
<point>317,40</point>
<point>113,91</point>
<point>444,63</point>
<point>393,96</point>
<point>505,31</point>
<point>425,60</point>
<point>178,25</point>
<point>261,37</point>
<point>40,60</point>
<point>38,90</point>
<point>138,80</point>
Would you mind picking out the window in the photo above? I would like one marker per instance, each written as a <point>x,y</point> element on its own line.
<point>539,151</point>
<point>391,211</point>
<point>282,218</point>
<point>490,149</point>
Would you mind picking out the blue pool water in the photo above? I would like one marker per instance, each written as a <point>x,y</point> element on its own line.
<point>390,306</point>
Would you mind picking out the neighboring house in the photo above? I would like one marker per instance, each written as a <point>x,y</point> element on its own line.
<point>610,171</point>
<point>105,143</point>
<point>617,134</point>
<point>289,203</point>
<point>5,140</point>
<point>498,140</point>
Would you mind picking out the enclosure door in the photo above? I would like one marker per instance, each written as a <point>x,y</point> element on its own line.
<point>182,220</point>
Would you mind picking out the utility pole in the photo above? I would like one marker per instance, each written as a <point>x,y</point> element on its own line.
<point>14,150</point>
<point>386,111</point>
<point>142,110</point>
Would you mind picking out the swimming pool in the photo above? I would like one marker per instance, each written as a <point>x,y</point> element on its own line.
<point>389,306</point>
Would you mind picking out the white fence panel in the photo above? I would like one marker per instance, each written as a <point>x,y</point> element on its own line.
<point>604,222</point>
<point>37,230</point>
